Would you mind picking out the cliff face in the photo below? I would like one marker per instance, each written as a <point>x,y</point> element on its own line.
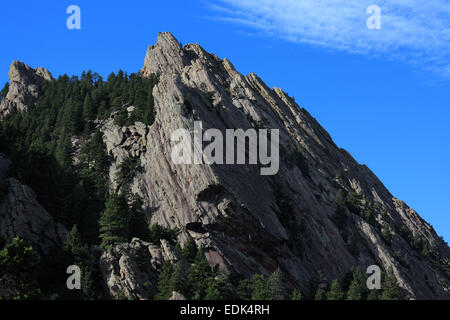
<point>321,215</point>
<point>23,88</point>
<point>252,223</point>
<point>21,215</point>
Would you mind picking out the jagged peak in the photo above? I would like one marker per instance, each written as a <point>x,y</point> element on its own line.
<point>165,56</point>
<point>167,38</point>
<point>24,86</point>
<point>20,72</point>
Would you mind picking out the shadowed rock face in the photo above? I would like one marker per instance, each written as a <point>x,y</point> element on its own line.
<point>241,217</point>
<point>24,87</point>
<point>21,215</point>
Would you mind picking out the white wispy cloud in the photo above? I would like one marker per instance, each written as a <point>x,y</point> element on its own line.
<point>415,30</point>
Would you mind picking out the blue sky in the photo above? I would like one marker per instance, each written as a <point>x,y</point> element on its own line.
<point>384,95</point>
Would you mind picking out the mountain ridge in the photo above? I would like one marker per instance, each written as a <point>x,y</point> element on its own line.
<point>320,216</point>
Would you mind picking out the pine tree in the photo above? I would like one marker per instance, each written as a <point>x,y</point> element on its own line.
<point>19,261</point>
<point>190,250</point>
<point>254,288</point>
<point>137,222</point>
<point>158,232</point>
<point>357,289</point>
<point>213,290</point>
<point>335,292</point>
<point>258,285</point>
<point>74,244</point>
<point>296,295</point>
<point>102,112</point>
<point>165,288</point>
<point>88,108</point>
<point>386,234</point>
<point>198,275</point>
<point>114,221</point>
<point>88,291</point>
<point>220,288</point>
<point>275,286</point>
<point>178,280</point>
<point>78,255</point>
<point>390,287</point>
<point>320,295</point>
<point>64,150</point>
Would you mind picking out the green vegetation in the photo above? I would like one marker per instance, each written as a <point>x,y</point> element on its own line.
<point>386,235</point>
<point>137,220</point>
<point>369,216</point>
<point>134,91</point>
<point>297,295</point>
<point>195,279</point>
<point>124,219</point>
<point>419,243</point>
<point>62,117</point>
<point>113,221</point>
<point>320,295</point>
<point>158,232</point>
<point>42,138</point>
<point>390,288</point>
<point>77,194</point>
<point>75,245</point>
<point>355,288</point>
<point>335,292</point>
<point>76,253</point>
<point>18,262</point>
<point>259,287</point>
<point>127,171</point>
<point>190,250</point>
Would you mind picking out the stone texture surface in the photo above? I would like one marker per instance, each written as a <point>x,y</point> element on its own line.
<point>131,270</point>
<point>8,287</point>
<point>232,210</point>
<point>21,215</point>
<point>123,143</point>
<point>5,164</point>
<point>177,296</point>
<point>24,87</point>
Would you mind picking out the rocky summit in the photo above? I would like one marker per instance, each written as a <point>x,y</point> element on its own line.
<point>320,217</point>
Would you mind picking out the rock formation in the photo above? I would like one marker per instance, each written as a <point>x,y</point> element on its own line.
<point>21,215</point>
<point>243,219</point>
<point>131,270</point>
<point>247,223</point>
<point>23,87</point>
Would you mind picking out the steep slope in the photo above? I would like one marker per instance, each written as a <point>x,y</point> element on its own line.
<point>251,223</point>
<point>320,216</point>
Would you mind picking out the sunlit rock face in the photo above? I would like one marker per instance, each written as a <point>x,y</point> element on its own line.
<point>249,223</point>
<point>24,84</point>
